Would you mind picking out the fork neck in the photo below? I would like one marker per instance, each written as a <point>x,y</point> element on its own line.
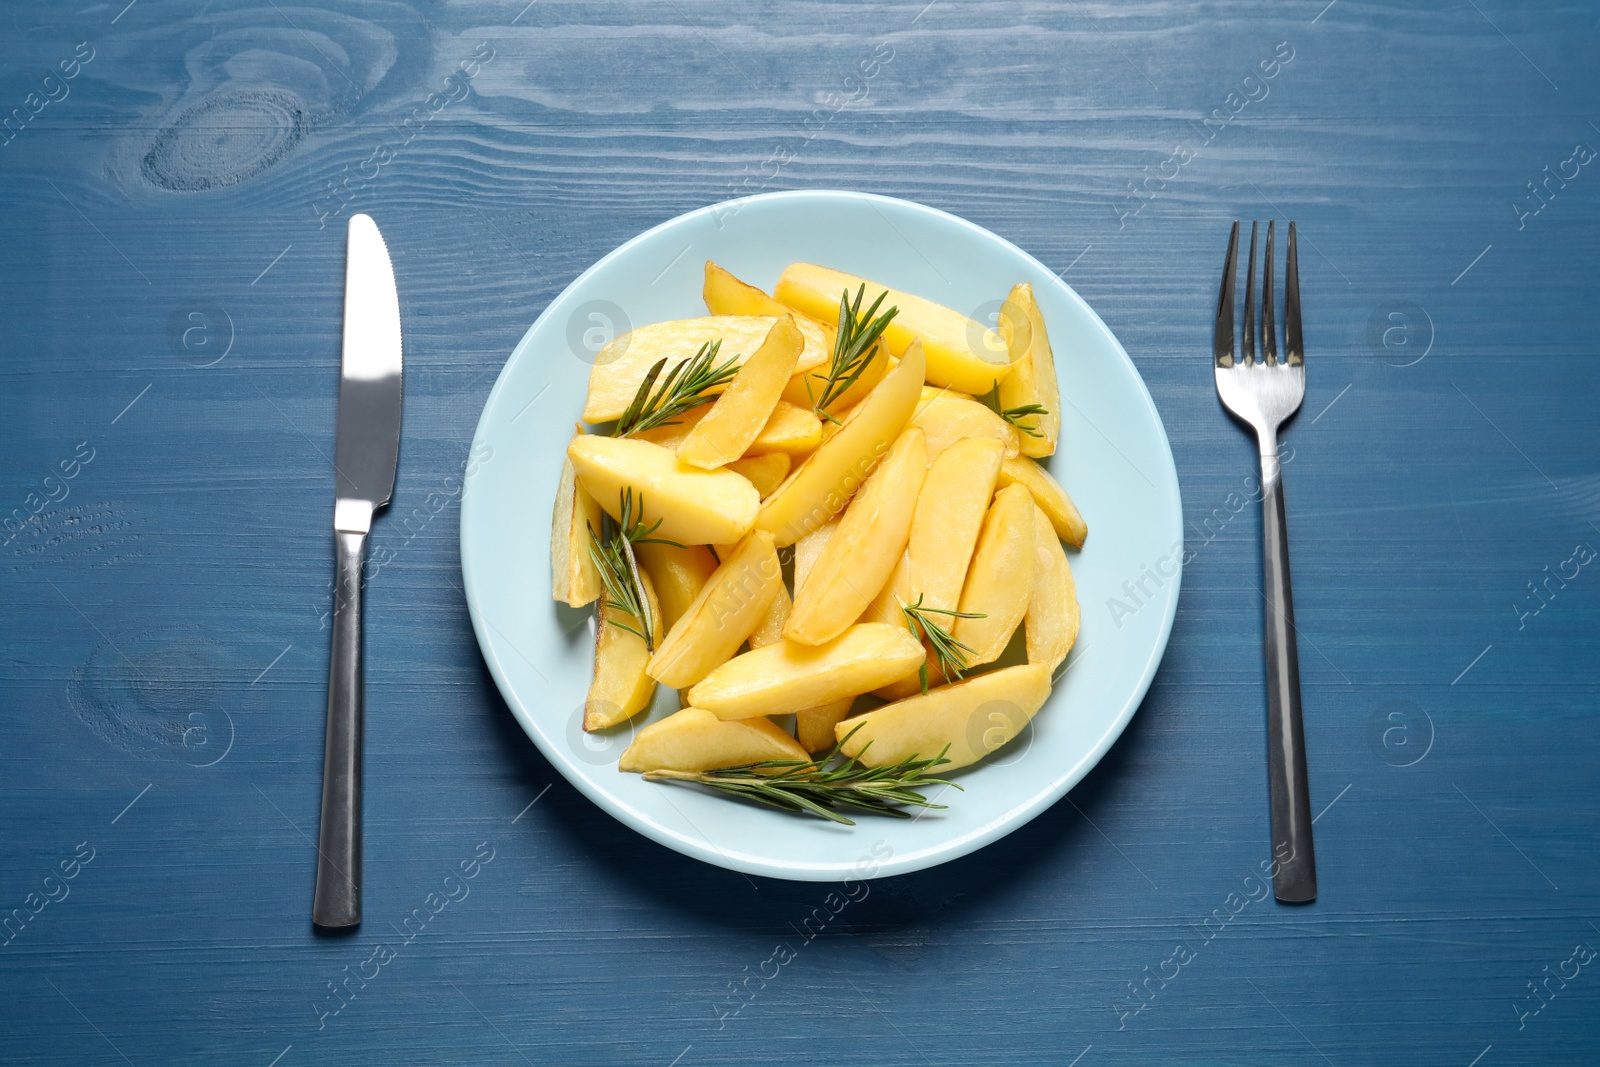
<point>1271,467</point>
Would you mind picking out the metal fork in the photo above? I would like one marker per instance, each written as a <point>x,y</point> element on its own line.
<point>1263,394</point>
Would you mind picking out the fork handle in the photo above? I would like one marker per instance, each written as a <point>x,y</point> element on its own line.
<point>1294,858</point>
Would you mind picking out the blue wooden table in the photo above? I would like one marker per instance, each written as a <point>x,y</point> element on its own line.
<point>174,180</point>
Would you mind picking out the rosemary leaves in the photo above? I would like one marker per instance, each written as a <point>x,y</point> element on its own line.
<point>685,387</point>
<point>951,654</point>
<point>1014,415</point>
<point>619,569</point>
<point>853,346</point>
<point>813,787</point>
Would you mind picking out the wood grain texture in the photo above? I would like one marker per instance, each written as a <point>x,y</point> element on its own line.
<point>166,647</point>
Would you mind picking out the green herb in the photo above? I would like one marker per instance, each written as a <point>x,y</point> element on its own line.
<point>619,570</point>
<point>685,387</point>
<point>814,788</point>
<point>952,654</point>
<point>853,345</point>
<point>1014,415</point>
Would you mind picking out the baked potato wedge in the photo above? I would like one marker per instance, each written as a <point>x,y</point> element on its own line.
<point>573,578</point>
<point>820,487</point>
<point>947,417</point>
<point>737,417</point>
<point>965,721</point>
<point>1000,579</point>
<point>620,367</point>
<point>1033,371</point>
<point>732,604</point>
<point>694,507</point>
<point>678,575</point>
<point>784,678</point>
<point>1048,494</point>
<point>1053,617</point>
<point>766,472</point>
<point>696,740</point>
<point>620,689</point>
<point>960,353</point>
<point>869,540</point>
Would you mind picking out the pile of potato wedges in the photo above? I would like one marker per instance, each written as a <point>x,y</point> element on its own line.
<point>801,532</point>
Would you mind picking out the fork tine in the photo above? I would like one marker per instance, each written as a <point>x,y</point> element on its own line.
<point>1222,339</point>
<point>1250,301</point>
<point>1293,343</point>
<point>1269,321</point>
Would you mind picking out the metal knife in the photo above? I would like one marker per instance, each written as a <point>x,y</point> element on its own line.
<point>366,452</point>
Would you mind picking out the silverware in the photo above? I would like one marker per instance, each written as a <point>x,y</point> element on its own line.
<point>366,452</point>
<point>1263,394</point>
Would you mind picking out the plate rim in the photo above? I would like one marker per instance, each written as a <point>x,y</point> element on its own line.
<point>704,849</point>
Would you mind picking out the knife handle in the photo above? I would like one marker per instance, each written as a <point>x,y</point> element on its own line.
<point>338,894</point>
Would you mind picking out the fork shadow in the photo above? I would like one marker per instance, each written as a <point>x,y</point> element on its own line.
<point>709,896</point>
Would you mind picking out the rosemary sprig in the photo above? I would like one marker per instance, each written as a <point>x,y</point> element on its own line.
<point>813,788</point>
<point>853,344</point>
<point>685,387</point>
<point>1014,415</point>
<point>619,570</point>
<point>952,654</point>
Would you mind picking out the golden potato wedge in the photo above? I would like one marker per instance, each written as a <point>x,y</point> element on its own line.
<point>820,487</point>
<point>1000,578</point>
<point>949,514</point>
<point>1052,619</point>
<point>966,721</point>
<point>766,472</point>
<point>621,689</point>
<point>911,684</point>
<point>949,417</point>
<point>960,353</point>
<point>573,578</point>
<point>696,740</point>
<point>808,548</point>
<point>807,387</point>
<point>737,417</point>
<point>695,507</point>
<point>944,532</point>
<point>670,435</point>
<point>870,539</point>
<point>678,575</point>
<point>621,366</point>
<point>791,429</point>
<point>885,607</point>
<point>934,392</point>
<point>725,294</point>
<point>813,727</point>
<point>1033,371</point>
<point>770,630</point>
<point>728,609</point>
<point>785,677</point>
<point>1048,494</point>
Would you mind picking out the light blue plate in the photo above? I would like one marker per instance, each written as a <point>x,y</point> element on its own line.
<point>1113,459</point>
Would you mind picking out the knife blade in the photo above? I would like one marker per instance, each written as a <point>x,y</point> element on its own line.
<point>366,455</point>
